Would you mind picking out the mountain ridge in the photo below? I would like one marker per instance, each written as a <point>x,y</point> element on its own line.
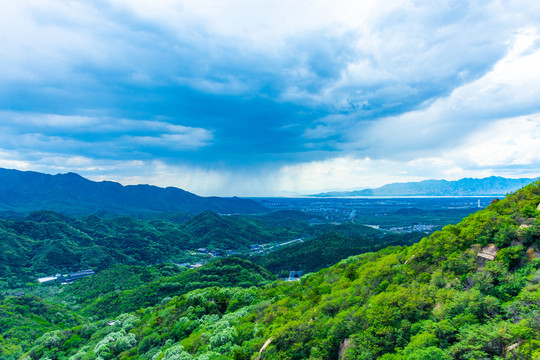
<point>70,193</point>
<point>489,186</point>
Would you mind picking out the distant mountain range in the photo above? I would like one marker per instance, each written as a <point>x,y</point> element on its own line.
<point>494,185</point>
<point>72,194</point>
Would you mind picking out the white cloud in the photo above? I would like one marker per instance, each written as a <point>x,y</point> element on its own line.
<point>227,85</point>
<point>505,143</point>
<point>11,161</point>
<point>446,122</point>
<point>44,39</point>
<point>340,173</point>
<point>191,139</point>
<point>371,43</point>
<point>55,121</point>
<point>53,131</point>
<point>199,180</point>
<point>262,23</point>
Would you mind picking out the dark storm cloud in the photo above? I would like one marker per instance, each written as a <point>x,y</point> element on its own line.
<point>241,86</point>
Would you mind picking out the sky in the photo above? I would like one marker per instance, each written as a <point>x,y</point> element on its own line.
<point>270,97</point>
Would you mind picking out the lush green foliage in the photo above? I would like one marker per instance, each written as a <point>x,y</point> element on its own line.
<point>436,299</point>
<point>118,278</point>
<point>133,292</point>
<point>45,243</point>
<point>209,229</point>
<point>24,319</point>
<point>328,249</point>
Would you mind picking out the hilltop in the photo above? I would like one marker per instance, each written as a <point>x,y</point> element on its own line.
<point>72,194</point>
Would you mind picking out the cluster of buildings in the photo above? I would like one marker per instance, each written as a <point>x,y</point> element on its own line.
<point>260,249</point>
<point>293,276</point>
<point>256,249</point>
<point>412,228</point>
<point>69,278</point>
<point>217,252</point>
<point>190,265</point>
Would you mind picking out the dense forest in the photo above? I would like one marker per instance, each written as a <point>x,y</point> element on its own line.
<point>469,291</point>
<point>45,243</point>
<point>328,249</point>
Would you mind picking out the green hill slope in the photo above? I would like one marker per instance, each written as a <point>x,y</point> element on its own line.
<point>26,318</point>
<point>46,243</point>
<point>328,249</point>
<point>234,232</point>
<point>96,298</point>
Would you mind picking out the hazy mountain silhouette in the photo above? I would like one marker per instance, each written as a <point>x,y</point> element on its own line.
<point>494,185</point>
<point>23,191</point>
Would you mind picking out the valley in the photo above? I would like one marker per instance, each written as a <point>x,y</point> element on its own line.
<point>45,243</point>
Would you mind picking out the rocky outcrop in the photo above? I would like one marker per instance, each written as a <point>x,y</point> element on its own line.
<point>489,252</point>
<point>343,346</point>
<point>264,348</point>
<point>532,253</point>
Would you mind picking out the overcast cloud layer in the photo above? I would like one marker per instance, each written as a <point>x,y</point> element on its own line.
<point>259,98</point>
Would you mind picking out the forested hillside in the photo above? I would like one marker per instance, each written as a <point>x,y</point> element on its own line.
<point>470,291</point>
<point>45,243</point>
<point>110,293</point>
<point>328,249</point>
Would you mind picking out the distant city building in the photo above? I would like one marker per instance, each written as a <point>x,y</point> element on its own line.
<point>67,278</point>
<point>186,264</point>
<point>295,275</point>
<point>48,278</point>
<point>76,276</point>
